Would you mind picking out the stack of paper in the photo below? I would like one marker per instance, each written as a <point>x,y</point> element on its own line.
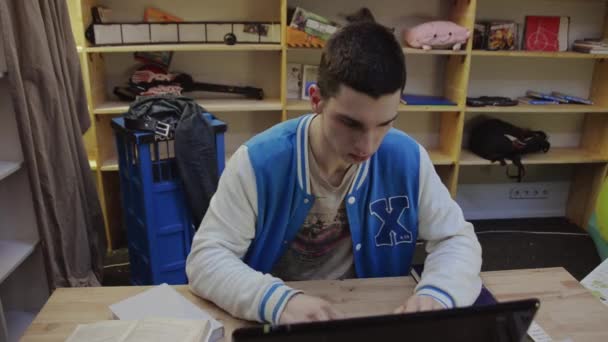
<point>149,330</point>
<point>163,301</point>
<point>597,282</point>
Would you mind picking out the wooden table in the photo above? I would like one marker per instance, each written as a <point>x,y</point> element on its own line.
<point>568,310</point>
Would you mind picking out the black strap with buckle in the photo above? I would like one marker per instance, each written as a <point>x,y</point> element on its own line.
<point>159,114</point>
<point>160,128</point>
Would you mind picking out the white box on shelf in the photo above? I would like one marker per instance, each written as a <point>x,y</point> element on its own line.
<point>274,34</point>
<point>163,33</point>
<point>135,33</point>
<point>246,33</point>
<point>216,32</point>
<point>192,33</point>
<point>107,34</point>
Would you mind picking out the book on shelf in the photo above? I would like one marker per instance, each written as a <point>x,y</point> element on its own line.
<point>546,33</point>
<point>425,100</point>
<point>591,46</point>
<point>572,99</point>
<point>542,96</point>
<point>534,101</point>
<point>495,35</point>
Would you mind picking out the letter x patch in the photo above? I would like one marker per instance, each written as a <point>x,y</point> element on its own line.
<point>392,230</point>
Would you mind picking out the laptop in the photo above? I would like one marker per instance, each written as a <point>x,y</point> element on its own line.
<point>501,322</point>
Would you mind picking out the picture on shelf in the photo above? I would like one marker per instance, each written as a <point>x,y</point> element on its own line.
<point>259,29</point>
<point>502,36</point>
<point>313,24</point>
<point>294,81</point>
<point>309,78</point>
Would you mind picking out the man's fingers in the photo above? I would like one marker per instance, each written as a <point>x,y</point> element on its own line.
<point>412,305</point>
<point>426,304</point>
<point>320,315</point>
<point>334,313</point>
<point>286,319</point>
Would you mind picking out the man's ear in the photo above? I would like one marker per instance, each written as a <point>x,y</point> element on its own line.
<point>316,101</point>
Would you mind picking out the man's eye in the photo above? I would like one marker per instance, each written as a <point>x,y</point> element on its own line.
<point>349,123</point>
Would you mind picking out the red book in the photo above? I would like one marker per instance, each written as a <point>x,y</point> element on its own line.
<point>543,33</point>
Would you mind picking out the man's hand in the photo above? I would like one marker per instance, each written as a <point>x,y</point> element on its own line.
<point>303,308</point>
<point>419,303</point>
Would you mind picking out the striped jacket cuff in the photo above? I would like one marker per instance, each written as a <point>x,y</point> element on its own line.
<point>274,301</point>
<point>438,294</point>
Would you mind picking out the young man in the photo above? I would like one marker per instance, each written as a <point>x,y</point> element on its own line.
<point>334,195</point>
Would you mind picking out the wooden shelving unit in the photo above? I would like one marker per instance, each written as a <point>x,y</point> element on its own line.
<point>412,51</point>
<point>535,54</point>
<point>12,254</point>
<point>8,168</point>
<point>440,128</point>
<point>554,156</point>
<point>23,282</point>
<point>184,47</point>
<point>238,105</point>
<point>525,108</point>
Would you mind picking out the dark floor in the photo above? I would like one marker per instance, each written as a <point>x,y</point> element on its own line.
<point>507,244</point>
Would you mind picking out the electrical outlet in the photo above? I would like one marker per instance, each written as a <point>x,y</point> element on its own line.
<point>528,192</point>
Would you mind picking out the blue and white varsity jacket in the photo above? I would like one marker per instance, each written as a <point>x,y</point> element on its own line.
<point>264,196</point>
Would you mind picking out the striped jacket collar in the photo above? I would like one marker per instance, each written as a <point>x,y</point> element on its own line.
<point>302,161</point>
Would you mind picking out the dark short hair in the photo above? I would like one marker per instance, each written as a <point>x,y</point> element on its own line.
<point>364,56</point>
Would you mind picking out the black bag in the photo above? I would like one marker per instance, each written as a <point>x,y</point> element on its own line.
<point>497,140</point>
<point>181,118</point>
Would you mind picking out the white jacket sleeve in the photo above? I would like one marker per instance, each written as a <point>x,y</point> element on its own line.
<point>215,268</point>
<point>452,267</point>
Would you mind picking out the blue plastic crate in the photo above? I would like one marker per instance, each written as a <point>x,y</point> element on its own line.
<point>155,211</point>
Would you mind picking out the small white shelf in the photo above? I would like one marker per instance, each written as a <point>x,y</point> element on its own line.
<point>18,322</point>
<point>12,254</point>
<point>7,168</point>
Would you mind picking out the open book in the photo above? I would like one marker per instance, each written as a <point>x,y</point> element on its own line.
<point>148,330</point>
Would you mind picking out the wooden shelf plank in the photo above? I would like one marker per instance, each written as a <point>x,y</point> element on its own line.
<point>12,254</point>
<point>437,157</point>
<point>525,108</point>
<point>537,54</point>
<point>440,158</point>
<point>8,168</point>
<point>554,156</point>
<point>110,165</point>
<point>226,105</point>
<point>413,51</point>
<point>17,323</point>
<point>406,50</point>
<point>185,47</point>
<point>437,109</point>
<point>299,105</point>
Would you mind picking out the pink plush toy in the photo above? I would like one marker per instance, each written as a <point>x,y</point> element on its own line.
<point>436,34</point>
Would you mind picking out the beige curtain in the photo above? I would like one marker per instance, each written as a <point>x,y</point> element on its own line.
<point>47,91</point>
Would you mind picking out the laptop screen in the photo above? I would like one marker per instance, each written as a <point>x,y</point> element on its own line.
<point>507,321</point>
